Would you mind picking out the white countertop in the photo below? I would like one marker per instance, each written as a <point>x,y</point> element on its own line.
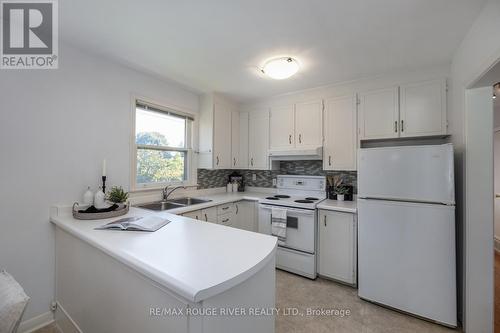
<point>340,206</point>
<point>194,259</point>
<point>220,199</point>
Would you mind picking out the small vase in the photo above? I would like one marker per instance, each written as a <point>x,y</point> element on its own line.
<point>88,197</point>
<point>100,199</point>
<point>340,197</point>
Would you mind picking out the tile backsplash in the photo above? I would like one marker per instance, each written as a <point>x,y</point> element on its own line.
<point>264,178</point>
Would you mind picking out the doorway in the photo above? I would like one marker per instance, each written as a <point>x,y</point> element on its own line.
<point>481,264</point>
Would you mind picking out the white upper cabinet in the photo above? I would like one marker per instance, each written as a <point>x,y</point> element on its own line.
<point>340,145</point>
<point>215,133</point>
<point>410,110</point>
<point>379,114</point>
<point>282,122</point>
<point>235,139</point>
<point>258,140</point>
<point>309,124</point>
<point>423,109</point>
<point>242,154</point>
<point>297,126</point>
<point>222,137</point>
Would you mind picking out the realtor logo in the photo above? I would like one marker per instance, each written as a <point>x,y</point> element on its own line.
<point>29,36</point>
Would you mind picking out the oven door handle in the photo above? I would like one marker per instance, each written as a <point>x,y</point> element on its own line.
<point>295,210</point>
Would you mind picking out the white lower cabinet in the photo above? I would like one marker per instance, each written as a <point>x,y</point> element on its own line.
<point>245,215</point>
<point>337,246</point>
<point>194,214</point>
<point>240,214</point>
<point>209,214</point>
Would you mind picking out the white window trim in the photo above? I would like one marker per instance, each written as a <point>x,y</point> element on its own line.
<point>191,168</point>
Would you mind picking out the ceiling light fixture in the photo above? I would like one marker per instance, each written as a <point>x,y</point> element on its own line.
<point>280,68</point>
<point>496,90</point>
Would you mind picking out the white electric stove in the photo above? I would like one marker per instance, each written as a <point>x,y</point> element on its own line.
<point>299,195</point>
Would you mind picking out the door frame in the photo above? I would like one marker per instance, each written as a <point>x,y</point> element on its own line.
<point>496,241</point>
<point>478,279</point>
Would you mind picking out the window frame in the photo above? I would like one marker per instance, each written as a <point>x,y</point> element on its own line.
<point>189,177</point>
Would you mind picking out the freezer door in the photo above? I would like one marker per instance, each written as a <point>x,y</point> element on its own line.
<point>414,173</point>
<point>406,257</point>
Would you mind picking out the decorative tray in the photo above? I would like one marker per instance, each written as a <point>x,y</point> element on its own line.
<point>121,210</point>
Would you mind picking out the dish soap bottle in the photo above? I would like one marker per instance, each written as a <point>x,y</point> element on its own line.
<point>88,197</point>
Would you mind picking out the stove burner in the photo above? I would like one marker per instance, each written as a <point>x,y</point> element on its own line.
<point>304,201</point>
<point>283,196</point>
<point>272,198</point>
<point>312,198</point>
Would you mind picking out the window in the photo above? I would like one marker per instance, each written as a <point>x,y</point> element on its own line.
<point>162,146</point>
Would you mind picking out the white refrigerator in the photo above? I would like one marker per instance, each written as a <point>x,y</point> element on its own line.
<point>406,230</point>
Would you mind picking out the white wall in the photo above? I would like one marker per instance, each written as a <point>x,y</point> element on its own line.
<point>478,51</point>
<point>56,126</point>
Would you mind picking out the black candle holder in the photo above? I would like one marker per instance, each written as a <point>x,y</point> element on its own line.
<point>104,184</point>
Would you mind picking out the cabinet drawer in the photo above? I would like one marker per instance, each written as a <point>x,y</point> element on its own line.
<point>226,219</point>
<point>226,208</point>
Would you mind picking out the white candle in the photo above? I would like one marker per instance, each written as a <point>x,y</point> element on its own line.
<point>104,168</point>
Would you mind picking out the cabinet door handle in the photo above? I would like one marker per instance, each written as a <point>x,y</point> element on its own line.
<point>225,220</point>
<point>237,209</point>
<point>217,158</point>
<point>234,161</point>
<point>300,138</point>
<point>206,217</point>
<point>396,126</point>
<point>251,161</point>
<point>330,160</point>
<point>402,125</point>
<point>197,217</point>
<point>290,139</point>
<point>224,208</point>
<point>324,220</point>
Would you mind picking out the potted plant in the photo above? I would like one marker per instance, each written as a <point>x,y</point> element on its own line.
<point>341,192</point>
<point>334,182</point>
<point>117,195</point>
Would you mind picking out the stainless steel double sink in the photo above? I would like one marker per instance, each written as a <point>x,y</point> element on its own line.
<point>172,204</point>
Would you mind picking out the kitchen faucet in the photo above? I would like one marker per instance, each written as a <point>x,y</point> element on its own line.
<point>166,192</point>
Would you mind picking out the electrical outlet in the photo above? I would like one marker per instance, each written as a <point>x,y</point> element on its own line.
<point>274,181</point>
<point>254,176</point>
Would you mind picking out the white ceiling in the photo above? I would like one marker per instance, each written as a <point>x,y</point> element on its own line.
<point>217,45</point>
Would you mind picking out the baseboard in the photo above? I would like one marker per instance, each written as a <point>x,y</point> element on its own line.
<point>37,322</point>
<point>497,244</point>
<point>64,322</point>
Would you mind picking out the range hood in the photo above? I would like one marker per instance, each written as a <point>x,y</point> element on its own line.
<point>296,154</point>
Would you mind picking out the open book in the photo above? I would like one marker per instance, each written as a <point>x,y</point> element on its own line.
<point>148,223</point>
